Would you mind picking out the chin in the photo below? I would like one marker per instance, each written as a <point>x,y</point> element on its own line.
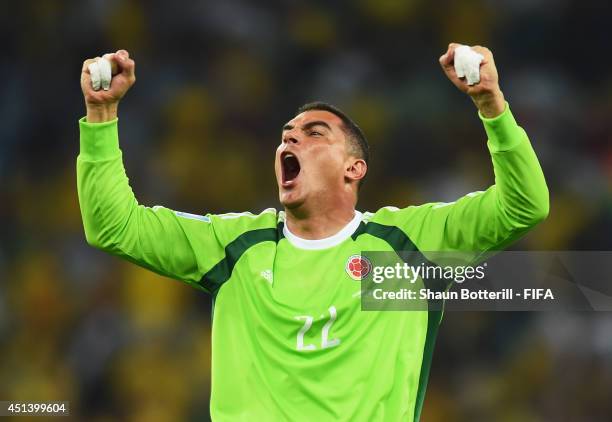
<point>290,201</point>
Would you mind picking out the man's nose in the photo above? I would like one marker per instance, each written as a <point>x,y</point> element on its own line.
<point>290,138</point>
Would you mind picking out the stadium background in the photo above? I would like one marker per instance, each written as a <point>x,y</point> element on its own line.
<point>216,81</point>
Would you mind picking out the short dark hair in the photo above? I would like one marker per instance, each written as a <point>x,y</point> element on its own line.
<point>357,140</point>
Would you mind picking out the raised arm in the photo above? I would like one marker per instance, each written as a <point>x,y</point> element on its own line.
<point>487,220</point>
<point>491,220</point>
<point>157,238</point>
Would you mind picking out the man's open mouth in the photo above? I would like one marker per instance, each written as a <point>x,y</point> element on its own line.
<point>290,168</point>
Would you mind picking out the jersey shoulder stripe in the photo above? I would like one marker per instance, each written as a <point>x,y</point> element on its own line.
<point>222,271</point>
<point>395,237</point>
<point>188,215</point>
<point>247,214</point>
<point>229,226</point>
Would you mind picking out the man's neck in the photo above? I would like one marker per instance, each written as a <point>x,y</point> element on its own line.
<point>318,225</point>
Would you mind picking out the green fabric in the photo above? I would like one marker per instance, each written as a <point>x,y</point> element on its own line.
<point>289,339</point>
<point>500,131</point>
<point>99,141</point>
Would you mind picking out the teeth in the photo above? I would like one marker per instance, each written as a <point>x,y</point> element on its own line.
<point>288,155</point>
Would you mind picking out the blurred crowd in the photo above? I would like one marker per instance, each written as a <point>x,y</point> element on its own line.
<point>216,80</point>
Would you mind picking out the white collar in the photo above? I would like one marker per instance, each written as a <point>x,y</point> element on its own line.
<point>327,242</point>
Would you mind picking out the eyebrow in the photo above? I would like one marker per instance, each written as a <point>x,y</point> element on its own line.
<point>309,125</point>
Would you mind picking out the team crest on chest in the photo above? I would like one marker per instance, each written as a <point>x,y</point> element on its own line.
<point>358,267</point>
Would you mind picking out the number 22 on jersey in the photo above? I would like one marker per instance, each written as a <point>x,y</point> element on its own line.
<point>326,342</point>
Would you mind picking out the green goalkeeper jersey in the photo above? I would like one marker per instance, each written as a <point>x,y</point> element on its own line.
<point>289,339</point>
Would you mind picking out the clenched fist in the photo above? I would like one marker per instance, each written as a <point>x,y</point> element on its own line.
<point>486,94</point>
<point>102,105</point>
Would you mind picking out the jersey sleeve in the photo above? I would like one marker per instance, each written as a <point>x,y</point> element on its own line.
<point>178,245</point>
<point>488,220</point>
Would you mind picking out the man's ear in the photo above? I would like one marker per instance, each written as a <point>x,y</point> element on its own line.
<point>356,169</point>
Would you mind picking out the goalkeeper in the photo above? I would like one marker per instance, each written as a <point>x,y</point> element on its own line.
<point>289,340</point>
